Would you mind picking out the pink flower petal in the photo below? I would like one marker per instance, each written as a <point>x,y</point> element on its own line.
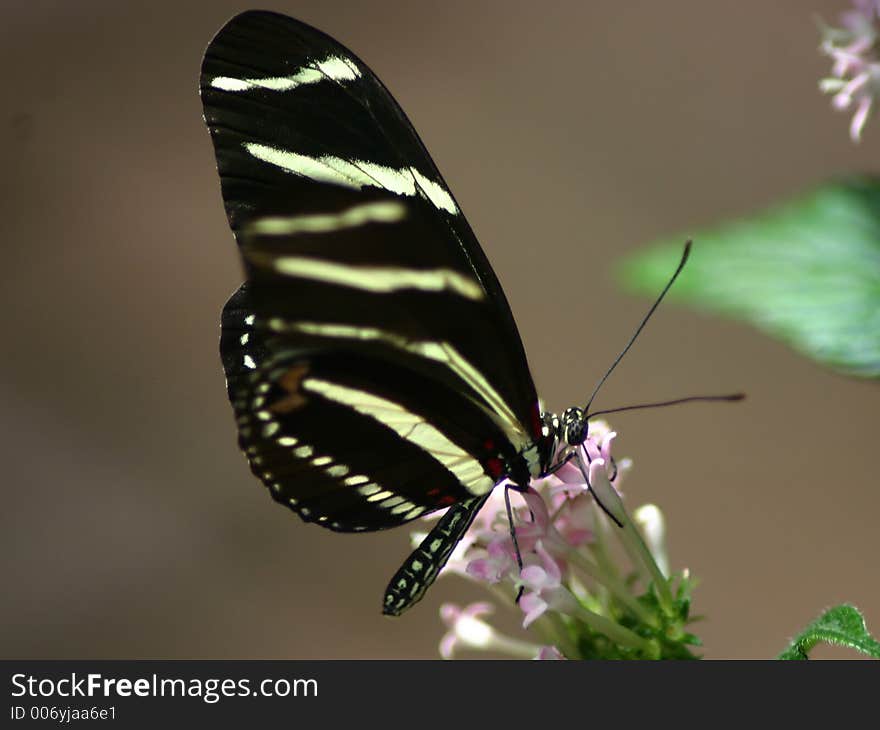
<point>447,645</point>
<point>534,576</point>
<point>554,573</point>
<point>533,607</point>
<point>549,653</point>
<point>859,118</point>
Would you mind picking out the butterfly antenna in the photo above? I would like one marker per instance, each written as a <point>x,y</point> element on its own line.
<point>684,258</point>
<point>677,401</point>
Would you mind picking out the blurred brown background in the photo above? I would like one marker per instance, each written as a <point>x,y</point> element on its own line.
<point>571,134</point>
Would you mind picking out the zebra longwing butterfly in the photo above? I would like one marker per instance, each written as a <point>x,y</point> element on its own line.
<point>372,360</point>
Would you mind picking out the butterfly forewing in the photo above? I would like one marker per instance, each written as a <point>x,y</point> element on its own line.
<point>377,272</point>
<point>301,125</point>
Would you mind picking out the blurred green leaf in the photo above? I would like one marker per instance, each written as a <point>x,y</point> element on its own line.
<point>841,625</point>
<point>806,271</point>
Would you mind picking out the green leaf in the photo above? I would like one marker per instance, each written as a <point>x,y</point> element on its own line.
<point>841,625</point>
<point>806,271</point>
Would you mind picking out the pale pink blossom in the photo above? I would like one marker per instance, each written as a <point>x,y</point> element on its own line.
<point>551,570</point>
<point>465,627</point>
<point>549,652</point>
<point>467,630</point>
<point>855,70</point>
<point>544,588</point>
<point>495,563</point>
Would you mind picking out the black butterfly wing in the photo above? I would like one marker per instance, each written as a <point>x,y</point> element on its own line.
<point>301,125</point>
<point>352,434</point>
<point>344,485</point>
<point>371,357</point>
<point>338,369</point>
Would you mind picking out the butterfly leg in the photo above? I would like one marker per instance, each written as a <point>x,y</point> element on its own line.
<point>519,560</point>
<point>585,470</point>
<point>561,463</point>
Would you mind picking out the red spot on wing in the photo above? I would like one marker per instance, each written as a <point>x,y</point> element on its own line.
<point>440,499</point>
<point>494,467</point>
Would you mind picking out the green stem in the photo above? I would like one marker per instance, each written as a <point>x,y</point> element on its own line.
<point>615,586</point>
<point>614,631</point>
<point>513,647</point>
<point>633,543</point>
<point>600,550</point>
<point>555,628</point>
<point>600,546</point>
<point>635,546</point>
<point>550,632</point>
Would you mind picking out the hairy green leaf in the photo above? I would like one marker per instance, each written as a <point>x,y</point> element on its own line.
<point>841,625</point>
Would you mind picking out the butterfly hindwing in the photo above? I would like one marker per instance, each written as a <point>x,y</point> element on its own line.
<point>353,435</point>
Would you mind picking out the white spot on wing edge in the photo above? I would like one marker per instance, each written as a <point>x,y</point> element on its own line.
<point>338,68</point>
<point>402,507</point>
<point>435,192</point>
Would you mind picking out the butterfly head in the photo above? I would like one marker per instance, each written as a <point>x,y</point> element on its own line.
<point>572,426</point>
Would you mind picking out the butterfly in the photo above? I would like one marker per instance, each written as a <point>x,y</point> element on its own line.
<point>371,358</point>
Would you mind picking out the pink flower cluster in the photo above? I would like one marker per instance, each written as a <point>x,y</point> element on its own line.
<point>854,51</point>
<point>558,527</point>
